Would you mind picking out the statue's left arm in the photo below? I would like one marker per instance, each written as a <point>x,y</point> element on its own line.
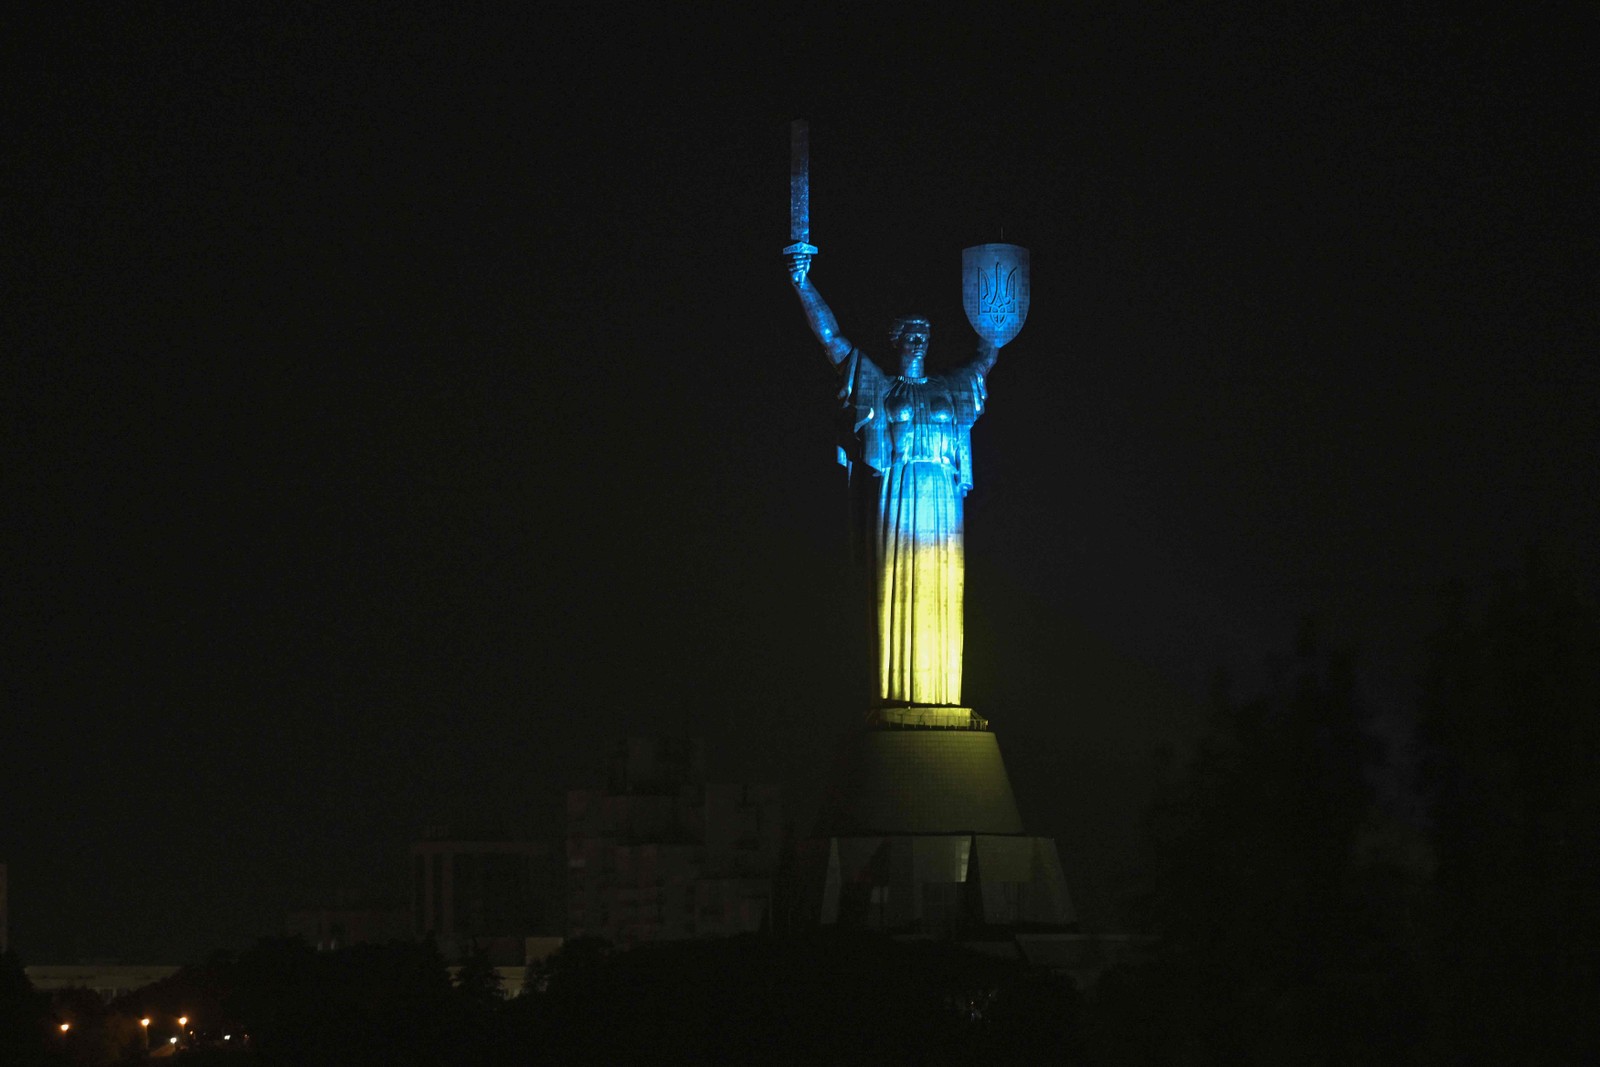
<point>981,363</point>
<point>971,392</point>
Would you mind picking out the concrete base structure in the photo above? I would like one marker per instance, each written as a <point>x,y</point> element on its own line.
<point>919,832</point>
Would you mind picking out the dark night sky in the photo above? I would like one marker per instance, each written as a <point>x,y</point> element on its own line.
<point>399,409</point>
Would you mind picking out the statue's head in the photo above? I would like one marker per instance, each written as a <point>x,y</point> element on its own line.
<point>909,338</point>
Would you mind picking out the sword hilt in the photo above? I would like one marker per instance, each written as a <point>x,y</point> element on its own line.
<point>800,248</point>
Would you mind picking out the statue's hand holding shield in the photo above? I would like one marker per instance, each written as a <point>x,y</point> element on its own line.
<point>995,290</point>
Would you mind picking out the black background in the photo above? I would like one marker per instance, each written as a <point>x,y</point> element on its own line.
<point>401,407</point>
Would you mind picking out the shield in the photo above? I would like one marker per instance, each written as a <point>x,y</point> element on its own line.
<point>995,290</point>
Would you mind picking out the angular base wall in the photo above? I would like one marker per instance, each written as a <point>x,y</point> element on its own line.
<point>919,781</point>
<point>919,832</point>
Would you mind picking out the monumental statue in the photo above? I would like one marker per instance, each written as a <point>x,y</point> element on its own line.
<point>918,828</point>
<point>910,432</point>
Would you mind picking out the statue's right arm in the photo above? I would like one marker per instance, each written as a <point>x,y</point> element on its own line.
<point>818,314</point>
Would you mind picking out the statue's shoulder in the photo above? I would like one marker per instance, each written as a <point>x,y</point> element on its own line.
<point>966,387</point>
<point>864,381</point>
<point>863,436</point>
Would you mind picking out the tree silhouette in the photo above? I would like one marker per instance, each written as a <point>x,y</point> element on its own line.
<point>1280,932</point>
<point>1510,731</point>
<point>24,1015</point>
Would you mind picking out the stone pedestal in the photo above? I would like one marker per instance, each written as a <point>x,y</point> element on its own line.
<point>919,832</point>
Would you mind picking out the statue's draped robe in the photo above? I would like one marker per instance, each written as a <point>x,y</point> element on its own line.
<point>913,439</point>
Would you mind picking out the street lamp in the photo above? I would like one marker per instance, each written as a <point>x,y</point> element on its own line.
<point>65,1027</point>
<point>145,1024</point>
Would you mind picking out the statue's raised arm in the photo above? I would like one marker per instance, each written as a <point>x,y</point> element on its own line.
<point>818,315</point>
<point>907,442</point>
<point>982,361</point>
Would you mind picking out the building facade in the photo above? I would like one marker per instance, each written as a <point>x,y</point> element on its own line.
<point>662,854</point>
<point>328,929</point>
<point>490,896</point>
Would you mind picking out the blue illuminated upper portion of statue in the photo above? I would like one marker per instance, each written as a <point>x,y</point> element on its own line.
<point>911,433</point>
<point>911,419</point>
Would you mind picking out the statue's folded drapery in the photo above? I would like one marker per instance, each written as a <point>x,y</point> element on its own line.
<point>912,436</point>
<point>907,440</point>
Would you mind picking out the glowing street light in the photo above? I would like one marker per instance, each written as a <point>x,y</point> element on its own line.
<point>183,1020</point>
<point>65,1027</point>
<point>145,1025</point>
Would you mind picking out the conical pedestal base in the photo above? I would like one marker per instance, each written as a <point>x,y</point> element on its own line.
<point>919,832</point>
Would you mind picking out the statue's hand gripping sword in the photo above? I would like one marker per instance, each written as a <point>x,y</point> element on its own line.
<point>800,190</point>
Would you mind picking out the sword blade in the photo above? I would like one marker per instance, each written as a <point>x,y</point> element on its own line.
<point>799,182</point>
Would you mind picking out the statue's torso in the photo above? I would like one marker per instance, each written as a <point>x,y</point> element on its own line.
<point>914,438</point>
<point>895,420</point>
<point>921,418</point>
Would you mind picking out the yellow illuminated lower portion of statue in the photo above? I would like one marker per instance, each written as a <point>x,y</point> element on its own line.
<point>920,578</point>
<point>906,439</point>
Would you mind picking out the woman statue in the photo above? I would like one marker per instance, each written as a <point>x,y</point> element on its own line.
<point>910,434</point>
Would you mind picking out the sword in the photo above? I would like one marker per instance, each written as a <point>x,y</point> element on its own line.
<point>800,189</point>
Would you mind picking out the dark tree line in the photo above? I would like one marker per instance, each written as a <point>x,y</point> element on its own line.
<point>829,997</point>
<point>1298,920</point>
<point>25,1016</point>
<point>1281,900</point>
<point>1511,729</point>
<point>1291,917</point>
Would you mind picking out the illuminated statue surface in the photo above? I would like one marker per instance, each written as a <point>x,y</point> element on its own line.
<point>911,433</point>
<point>918,827</point>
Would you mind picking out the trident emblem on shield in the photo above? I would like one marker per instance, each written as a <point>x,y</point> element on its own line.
<point>995,290</point>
